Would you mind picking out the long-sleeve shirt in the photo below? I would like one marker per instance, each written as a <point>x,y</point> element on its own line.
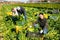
<point>42,22</point>
<point>18,11</point>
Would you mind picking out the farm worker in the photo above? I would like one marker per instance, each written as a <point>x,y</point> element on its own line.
<point>16,12</point>
<point>42,21</point>
<point>19,11</point>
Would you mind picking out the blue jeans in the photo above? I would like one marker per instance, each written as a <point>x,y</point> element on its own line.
<point>25,15</point>
<point>45,30</point>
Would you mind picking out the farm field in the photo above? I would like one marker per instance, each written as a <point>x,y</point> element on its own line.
<point>5,26</point>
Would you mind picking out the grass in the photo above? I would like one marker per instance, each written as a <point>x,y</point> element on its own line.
<point>42,5</point>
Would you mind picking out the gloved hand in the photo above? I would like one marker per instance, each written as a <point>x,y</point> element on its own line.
<point>41,31</point>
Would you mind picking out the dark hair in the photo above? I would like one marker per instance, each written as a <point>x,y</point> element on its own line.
<point>12,9</point>
<point>41,13</point>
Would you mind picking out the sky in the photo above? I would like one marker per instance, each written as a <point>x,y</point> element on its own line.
<point>18,0</point>
<point>23,0</point>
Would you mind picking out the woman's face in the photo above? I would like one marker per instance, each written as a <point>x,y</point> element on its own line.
<point>13,10</point>
<point>41,16</point>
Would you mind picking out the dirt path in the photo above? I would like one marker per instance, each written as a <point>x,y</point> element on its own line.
<point>1,36</point>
